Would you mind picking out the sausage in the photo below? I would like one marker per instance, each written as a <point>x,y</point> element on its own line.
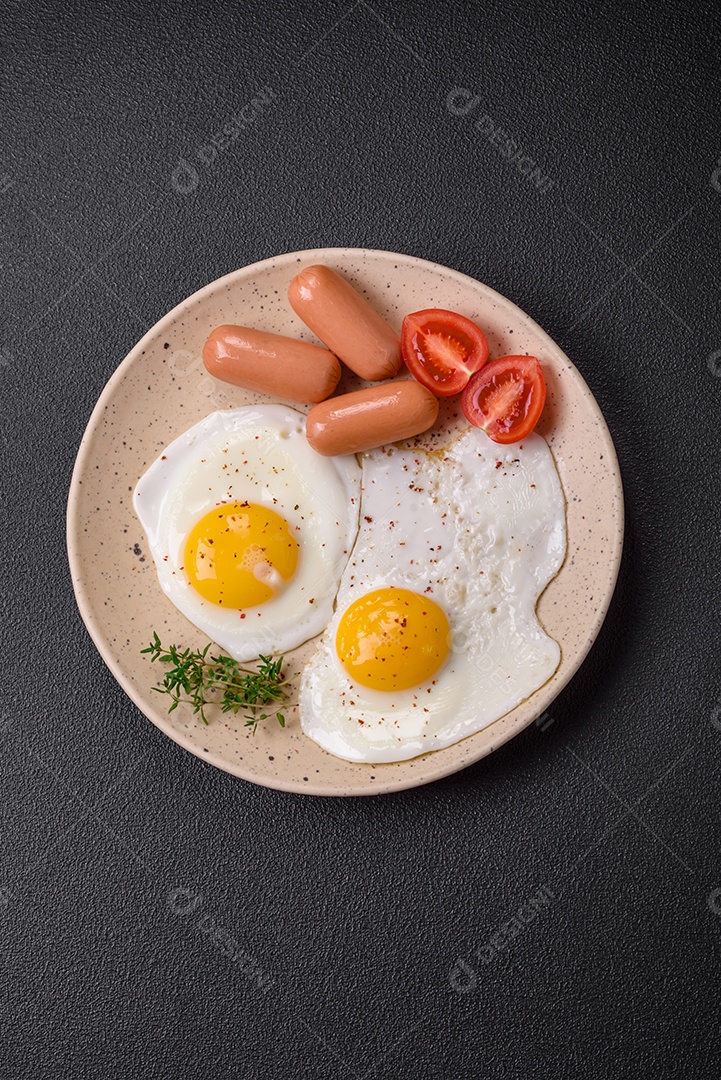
<point>372,417</point>
<point>345,322</point>
<point>271,364</point>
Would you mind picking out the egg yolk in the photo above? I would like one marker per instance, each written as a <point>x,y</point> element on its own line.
<point>240,555</point>
<point>393,639</point>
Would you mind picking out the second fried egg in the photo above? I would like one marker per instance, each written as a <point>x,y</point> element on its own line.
<point>435,633</point>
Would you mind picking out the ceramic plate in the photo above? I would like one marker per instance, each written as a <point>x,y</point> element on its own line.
<point>161,389</point>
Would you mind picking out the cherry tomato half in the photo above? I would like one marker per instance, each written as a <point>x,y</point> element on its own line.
<point>442,349</point>
<point>506,398</point>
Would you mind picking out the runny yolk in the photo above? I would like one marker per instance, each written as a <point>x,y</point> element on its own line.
<point>240,555</point>
<point>393,639</point>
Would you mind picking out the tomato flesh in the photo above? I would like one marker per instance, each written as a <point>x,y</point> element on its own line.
<point>442,349</point>
<point>506,398</point>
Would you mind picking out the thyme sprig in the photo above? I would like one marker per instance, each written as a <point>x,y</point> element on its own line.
<point>200,679</point>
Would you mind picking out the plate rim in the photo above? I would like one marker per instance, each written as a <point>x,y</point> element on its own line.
<point>73,526</point>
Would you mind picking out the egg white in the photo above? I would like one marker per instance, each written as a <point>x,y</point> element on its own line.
<point>259,454</point>
<point>480,528</point>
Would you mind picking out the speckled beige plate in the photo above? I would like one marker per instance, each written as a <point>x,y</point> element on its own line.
<point>161,389</point>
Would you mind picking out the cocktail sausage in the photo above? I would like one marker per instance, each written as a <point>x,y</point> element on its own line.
<point>372,417</point>
<point>345,322</point>
<point>271,364</point>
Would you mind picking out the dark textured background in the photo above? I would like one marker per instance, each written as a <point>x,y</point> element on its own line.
<point>159,918</point>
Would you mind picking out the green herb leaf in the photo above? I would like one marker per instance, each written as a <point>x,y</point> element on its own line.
<point>201,679</point>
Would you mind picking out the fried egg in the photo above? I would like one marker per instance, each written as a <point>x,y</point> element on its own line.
<point>435,633</point>
<point>250,528</point>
